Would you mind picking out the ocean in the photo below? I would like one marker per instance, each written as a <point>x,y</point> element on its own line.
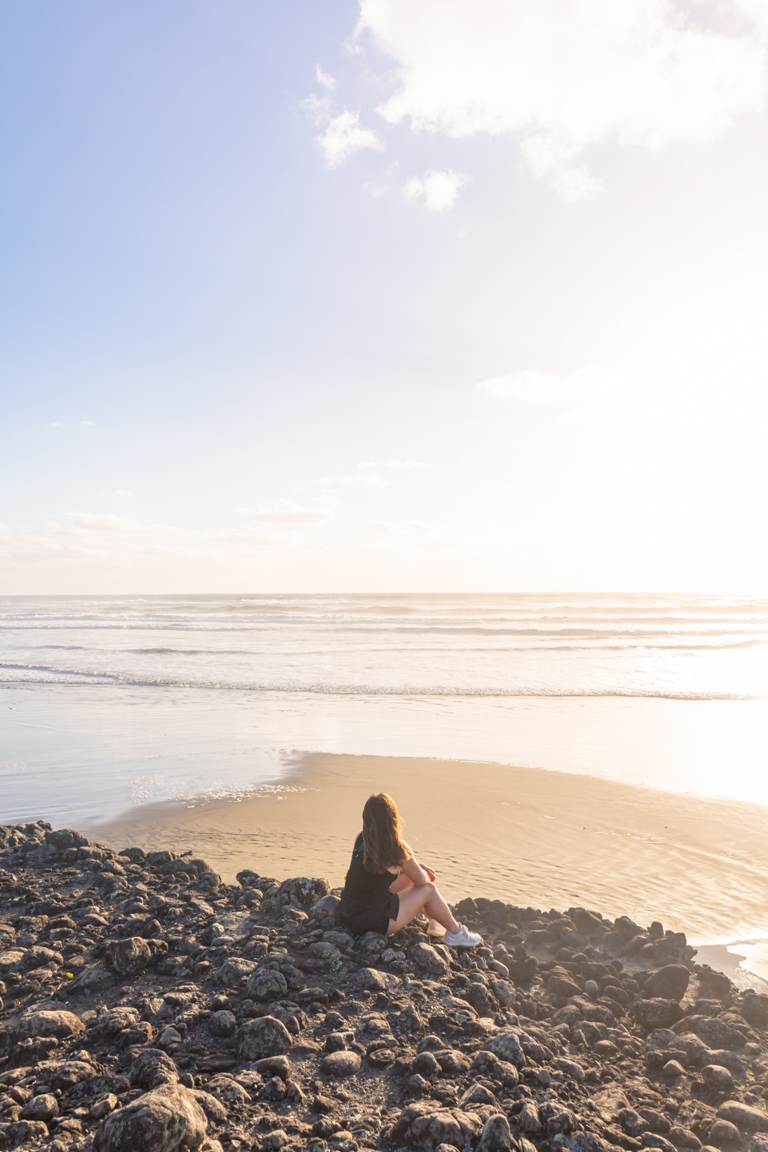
<point>111,702</point>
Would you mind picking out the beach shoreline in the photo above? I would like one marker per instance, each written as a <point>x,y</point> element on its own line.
<point>532,836</point>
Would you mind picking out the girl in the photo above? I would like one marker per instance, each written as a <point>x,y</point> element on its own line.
<point>386,887</point>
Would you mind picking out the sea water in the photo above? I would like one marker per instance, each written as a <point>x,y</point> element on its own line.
<point>111,702</point>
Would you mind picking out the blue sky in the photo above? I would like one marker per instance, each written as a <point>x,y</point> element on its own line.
<point>357,296</point>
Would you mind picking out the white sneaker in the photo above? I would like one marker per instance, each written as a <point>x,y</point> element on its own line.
<point>463,938</point>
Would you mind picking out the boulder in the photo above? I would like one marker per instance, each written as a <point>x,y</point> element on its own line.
<point>428,959</point>
<point>62,1025</point>
<point>495,1136</point>
<point>167,1119</point>
<point>656,1012</point>
<point>131,956</point>
<point>669,982</point>
<point>744,1116</point>
<point>341,1063</point>
<point>264,1036</point>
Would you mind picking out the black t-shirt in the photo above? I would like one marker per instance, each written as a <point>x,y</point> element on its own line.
<point>364,890</point>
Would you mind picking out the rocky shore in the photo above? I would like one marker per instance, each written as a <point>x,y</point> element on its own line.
<point>145,1006</point>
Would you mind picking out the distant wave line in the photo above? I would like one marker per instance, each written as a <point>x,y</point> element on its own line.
<point>595,648</point>
<point>406,629</point>
<point>407,691</point>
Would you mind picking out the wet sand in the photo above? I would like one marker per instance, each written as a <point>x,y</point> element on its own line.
<point>527,836</point>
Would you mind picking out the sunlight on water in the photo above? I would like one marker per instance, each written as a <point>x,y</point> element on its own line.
<point>209,695</point>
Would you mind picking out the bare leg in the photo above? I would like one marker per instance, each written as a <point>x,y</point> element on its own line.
<point>403,884</point>
<point>425,898</point>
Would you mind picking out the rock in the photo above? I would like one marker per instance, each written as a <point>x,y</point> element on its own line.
<point>673,1070</point>
<point>744,1116</point>
<point>103,1106</point>
<point>264,1036</point>
<point>235,971</point>
<point>428,959</point>
<point>684,1138</point>
<point>227,1089</point>
<point>723,1134</point>
<point>656,1012</point>
<point>372,980</point>
<point>716,1078</point>
<point>153,1067</point>
<point>61,1025</point>
<point>43,1107</point>
<point>754,1009</point>
<point>426,1125</point>
<point>570,1068</point>
<point>167,1119</point>
<point>528,1119</point>
<point>61,839</point>
<point>507,1046</point>
<point>267,984</point>
<point>495,1136</point>
<point>222,1023</point>
<point>668,983</point>
<point>562,987</point>
<point>341,1063</point>
<point>130,957</point>
<point>325,909</point>
<point>654,1140</point>
<point>716,1031</point>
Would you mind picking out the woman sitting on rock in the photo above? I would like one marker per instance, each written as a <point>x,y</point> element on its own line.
<point>386,887</point>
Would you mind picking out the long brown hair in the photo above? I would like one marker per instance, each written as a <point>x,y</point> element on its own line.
<point>383,846</point>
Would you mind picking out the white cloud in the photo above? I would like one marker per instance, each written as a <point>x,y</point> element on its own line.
<point>324,79</point>
<point>546,390</point>
<point>318,108</point>
<point>571,177</point>
<point>437,189</point>
<point>559,78</point>
<point>343,135</point>
<point>360,479</point>
<point>286,513</point>
<point>61,424</point>
<point>105,538</point>
<point>392,465</point>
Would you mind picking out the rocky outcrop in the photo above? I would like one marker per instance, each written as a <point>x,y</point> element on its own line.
<point>145,1005</point>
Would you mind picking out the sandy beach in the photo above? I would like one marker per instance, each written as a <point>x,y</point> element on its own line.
<point>538,838</point>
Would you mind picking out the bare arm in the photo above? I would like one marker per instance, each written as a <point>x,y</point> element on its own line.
<point>413,870</point>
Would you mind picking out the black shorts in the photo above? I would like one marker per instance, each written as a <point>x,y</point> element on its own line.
<point>372,919</point>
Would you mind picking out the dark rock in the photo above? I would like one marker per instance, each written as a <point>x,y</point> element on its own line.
<point>153,1067</point>
<point>130,957</point>
<point>716,1078</point>
<point>43,1107</point>
<point>745,1117</point>
<point>341,1063</point>
<point>754,1009</point>
<point>167,1119</point>
<point>668,983</point>
<point>267,984</point>
<point>723,1134</point>
<point>222,1023</point>
<point>507,1046</point>
<point>656,1012</point>
<point>264,1036</point>
<point>495,1136</point>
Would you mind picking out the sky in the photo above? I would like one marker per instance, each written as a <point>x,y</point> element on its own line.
<point>456,295</point>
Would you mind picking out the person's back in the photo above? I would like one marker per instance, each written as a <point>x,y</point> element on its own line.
<point>367,905</point>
